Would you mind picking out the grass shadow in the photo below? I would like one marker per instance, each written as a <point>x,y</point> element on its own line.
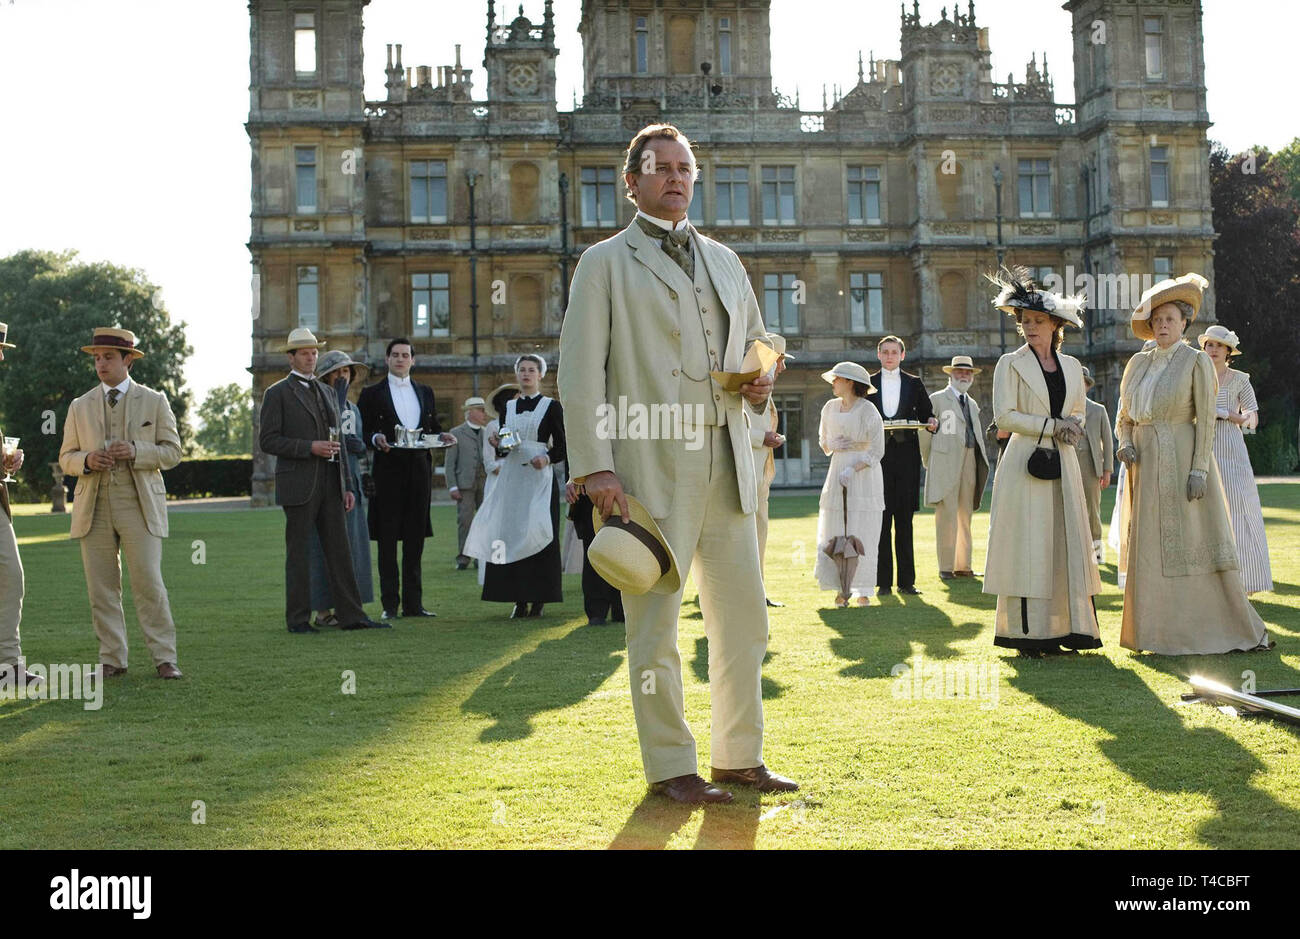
<point>555,674</point>
<point>657,818</point>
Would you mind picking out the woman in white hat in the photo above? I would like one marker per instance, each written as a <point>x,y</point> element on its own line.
<point>852,434</point>
<point>1040,560</point>
<point>1237,411</point>
<point>1182,595</point>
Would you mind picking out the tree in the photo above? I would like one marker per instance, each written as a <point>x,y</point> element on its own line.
<point>1257,275</point>
<point>227,417</point>
<point>1288,162</point>
<point>52,303</point>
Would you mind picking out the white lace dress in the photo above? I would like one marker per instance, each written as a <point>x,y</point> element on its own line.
<point>866,492</point>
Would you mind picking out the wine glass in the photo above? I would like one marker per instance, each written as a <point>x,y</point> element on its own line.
<point>334,438</point>
<point>11,444</point>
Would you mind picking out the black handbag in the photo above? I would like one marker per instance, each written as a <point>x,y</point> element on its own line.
<point>1044,463</point>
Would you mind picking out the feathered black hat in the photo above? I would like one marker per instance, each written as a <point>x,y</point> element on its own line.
<point>1017,292</point>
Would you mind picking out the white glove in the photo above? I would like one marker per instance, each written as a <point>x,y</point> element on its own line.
<point>846,476</point>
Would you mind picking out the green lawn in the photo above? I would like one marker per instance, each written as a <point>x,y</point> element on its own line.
<point>473,730</point>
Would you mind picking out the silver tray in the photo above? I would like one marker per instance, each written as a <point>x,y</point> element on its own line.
<point>423,445</point>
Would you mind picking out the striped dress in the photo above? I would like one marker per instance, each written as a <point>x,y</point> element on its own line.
<point>1236,394</point>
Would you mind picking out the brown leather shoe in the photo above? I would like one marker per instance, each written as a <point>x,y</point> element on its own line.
<point>691,789</point>
<point>946,575</point>
<point>760,777</point>
<point>168,670</point>
<point>112,671</point>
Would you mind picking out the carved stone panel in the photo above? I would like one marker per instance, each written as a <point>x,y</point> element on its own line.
<point>430,234</point>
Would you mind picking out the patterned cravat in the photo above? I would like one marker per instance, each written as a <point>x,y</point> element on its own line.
<point>675,244</point>
<point>113,394</point>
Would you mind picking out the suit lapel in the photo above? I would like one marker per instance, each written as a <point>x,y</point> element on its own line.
<point>304,396</point>
<point>714,268</point>
<point>1026,363</point>
<point>652,256</point>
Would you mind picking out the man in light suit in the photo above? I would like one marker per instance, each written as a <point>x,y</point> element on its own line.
<point>311,484</point>
<point>957,466</point>
<point>763,436</point>
<point>652,311</point>
<point>117,439</point>
<point>466,475</point>
<point>403,478</point>
<point>11,568</point>
<point>1096,452</point>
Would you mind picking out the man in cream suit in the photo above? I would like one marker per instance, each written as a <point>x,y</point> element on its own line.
<point>1096,452</point>
<point>466,475</point>
<point>652,311</point>
<point>763,436</point>
<point>117,439</point>
<point>11,569</point>
<point>957,466</point>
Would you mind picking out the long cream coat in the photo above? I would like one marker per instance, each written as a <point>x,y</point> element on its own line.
<point>1020,554</point>
<point>150,425</point>
<point>943,452</point>
<point>621,339</point>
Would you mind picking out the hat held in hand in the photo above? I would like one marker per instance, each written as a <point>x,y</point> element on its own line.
<point>633,556</point>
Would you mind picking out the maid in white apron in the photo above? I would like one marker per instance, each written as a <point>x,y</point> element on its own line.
<point>514,533</point>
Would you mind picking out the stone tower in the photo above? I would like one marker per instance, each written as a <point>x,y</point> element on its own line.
<point>1140,83</point>
<point>306,123</point>
<point>520,58</point>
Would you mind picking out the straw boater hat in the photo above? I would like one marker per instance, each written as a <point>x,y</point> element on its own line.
<point>473,402</point>
<point>1190,288</point>
<point>633,556</point>
<point>852,371</point>
<point>1019,293</point>
<point>4,337</point>
<point>961,361</point>
<point>106,337</point>
<point>336,359</point>
<point>301,338</point>
<point>1221,334</point>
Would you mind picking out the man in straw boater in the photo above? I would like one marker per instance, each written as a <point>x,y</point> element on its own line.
<point>957,466</point>
<point>298,418</point>
<point>13,668</point>
<point>466,474</point>
<point>763,435</point>
<point>654,311</point>
<point>117,439</point>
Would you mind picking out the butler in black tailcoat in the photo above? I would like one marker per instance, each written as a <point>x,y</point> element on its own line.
<point>899,396</point>
<point>403,478</point>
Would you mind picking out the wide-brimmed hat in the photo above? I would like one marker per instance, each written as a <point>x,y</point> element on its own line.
<point>301,338</point>
<point>508,386</point>
<point>852,371</point>
<point>1190,288</point>
<point>336,359</point>
<point>961,361</point>
<point>1087,376</point>
<point>4,337</point>
<point>1221,334</point>
<point>106,337</point>
<point>474,402</point>
<point>1019,293</point>
<point>778,345</point>
<point>633,556</point>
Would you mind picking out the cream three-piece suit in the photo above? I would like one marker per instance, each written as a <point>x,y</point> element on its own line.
<point>638,329</point>
<point>123,508</point>
<point>956,469</point>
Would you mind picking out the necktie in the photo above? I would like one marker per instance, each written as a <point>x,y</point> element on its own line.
<point>970,428</point>
<point>113,395</point>
<point>675,244</point>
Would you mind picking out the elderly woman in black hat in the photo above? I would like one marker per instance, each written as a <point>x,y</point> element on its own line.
<point>1040,560</point>
<point>336,371</point>
<point>1182,595</point>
